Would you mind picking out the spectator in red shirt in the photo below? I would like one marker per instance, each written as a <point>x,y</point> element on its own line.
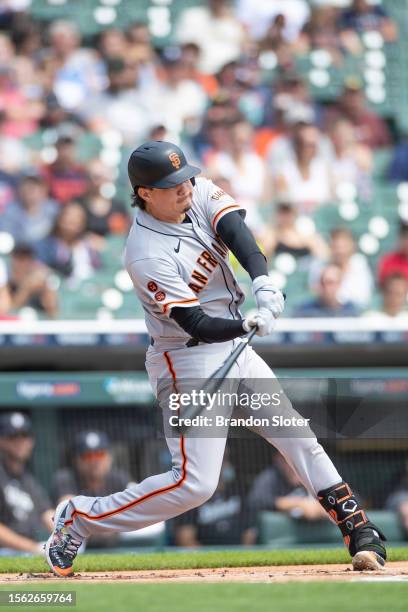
<point>369,128</point>
<point>66,178</point>
<point>395,262</point>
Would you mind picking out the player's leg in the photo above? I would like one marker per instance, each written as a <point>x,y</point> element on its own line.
<point>302,451</point>
<point>196,465</point>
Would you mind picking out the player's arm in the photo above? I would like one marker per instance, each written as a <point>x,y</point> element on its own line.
<point>207,329</point>
<point>236,235</point>
<point>11,539</point>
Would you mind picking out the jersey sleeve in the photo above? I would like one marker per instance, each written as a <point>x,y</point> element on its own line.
<point>217,203</point>
<point>160,286</point>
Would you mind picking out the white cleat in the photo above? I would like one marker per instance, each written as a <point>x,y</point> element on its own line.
<point>367,561</point>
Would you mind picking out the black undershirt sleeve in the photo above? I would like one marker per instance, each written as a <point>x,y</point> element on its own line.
<point>238,238</point>
<point>201,327</point>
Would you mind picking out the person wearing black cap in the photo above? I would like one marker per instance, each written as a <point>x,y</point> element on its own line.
<point>91,473</point>
<point>24,505</point>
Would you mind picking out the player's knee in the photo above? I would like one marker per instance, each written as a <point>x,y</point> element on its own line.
<point>198,491</point>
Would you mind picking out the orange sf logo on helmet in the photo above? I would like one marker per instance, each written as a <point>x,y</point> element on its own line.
<point>175,160</point>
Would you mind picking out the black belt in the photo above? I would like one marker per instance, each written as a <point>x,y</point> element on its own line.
<point>189,343</point>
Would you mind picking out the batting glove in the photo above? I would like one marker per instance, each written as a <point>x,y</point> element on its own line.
<point>263,320</point>
<point>267,295</point>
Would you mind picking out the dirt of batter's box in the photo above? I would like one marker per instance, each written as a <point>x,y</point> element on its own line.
<point>394,572</point>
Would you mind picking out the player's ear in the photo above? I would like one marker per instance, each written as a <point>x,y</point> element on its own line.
<point>144,193</point>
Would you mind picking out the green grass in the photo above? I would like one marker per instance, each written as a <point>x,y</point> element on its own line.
<point>193,560</point>
<point>311,597</point>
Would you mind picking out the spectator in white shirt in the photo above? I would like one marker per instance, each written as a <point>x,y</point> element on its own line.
<point>352,161</point>
<point>245,170</point>
<point>182,101</point>
<point>124,105</point>
<point>257,15</point>
<point>216,30</point>
<point>356,285</point>
<point>303,178</point>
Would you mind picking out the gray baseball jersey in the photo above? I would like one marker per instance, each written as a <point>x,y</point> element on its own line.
<point>183,264</point>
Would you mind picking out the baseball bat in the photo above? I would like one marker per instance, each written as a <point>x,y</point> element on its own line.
<point>213,383</point>
<point>215,380</point>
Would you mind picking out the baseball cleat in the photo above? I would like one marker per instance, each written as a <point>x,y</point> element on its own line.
<point>367,560</point>
<point>367,548</point>
<point>61,548</point>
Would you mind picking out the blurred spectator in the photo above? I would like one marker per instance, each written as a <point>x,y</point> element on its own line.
<point>257,16</point>
<point>369,128</point>
<point>76,72</point>
<point>8,189</point>
<point>215,29</point>
<point>244,169</point>
<point>321,32</point>
<point>7,49</point>
<point>55,115</point>
<point>190,56</point>
<point>30,282</point>
<point>68,249</point>
<point>91,473</point>
<point>124,105</point>
<point>279,489</point>
<point>105,214</point>
<point>397,501</point>
<point>112,43</point>
<point>352,161</point>
<point>24,505</point>
<point>291,106</point>
<point>352,265</point>
<point>14,155</point>
<point>31,217</point>
<point>20,112</point>
<point>395,262</point>
<point>66,178</point>
<point>304,178</point>
<point>327,303</point>
<point>182,100</point>
<point>363,16</point>
<point>398,170</point>
<point>285,235</point>
<point>142,52</point>
<point>25,32</point>
<point>5,300</point>
<point>394,299</point>
<point>223,520</point>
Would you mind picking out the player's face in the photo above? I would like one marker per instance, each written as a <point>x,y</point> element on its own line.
<point>168,205</point>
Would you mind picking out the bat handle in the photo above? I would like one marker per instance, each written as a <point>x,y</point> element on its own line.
<point>251,334</point>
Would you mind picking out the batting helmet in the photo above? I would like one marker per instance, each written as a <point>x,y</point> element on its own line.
<point>159,164</point>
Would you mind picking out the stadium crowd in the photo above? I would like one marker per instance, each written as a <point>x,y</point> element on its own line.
<point>229,90</point>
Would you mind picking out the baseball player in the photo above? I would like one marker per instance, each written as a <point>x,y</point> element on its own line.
<point>177,256</point>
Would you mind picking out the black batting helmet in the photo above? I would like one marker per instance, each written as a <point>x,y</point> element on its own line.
<point>159,164</point>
